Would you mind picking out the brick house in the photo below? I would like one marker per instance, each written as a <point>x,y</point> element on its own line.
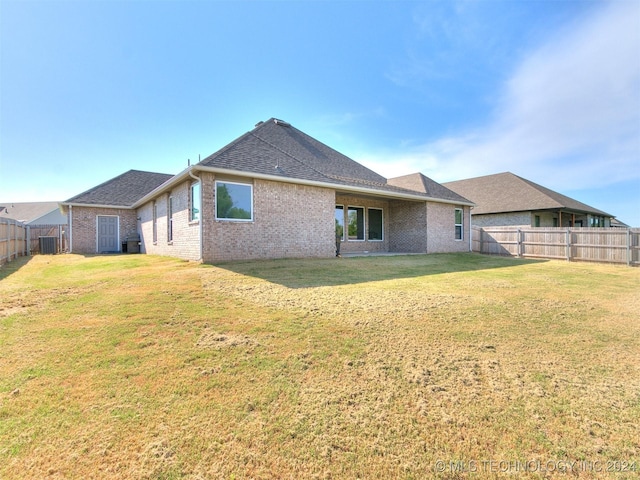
<point>274,192</point>
<point>505,199</point>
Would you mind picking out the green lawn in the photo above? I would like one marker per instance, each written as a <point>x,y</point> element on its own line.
<point>434,366</point>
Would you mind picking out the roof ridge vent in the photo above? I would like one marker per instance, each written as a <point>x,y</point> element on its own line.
<point>281,122</point>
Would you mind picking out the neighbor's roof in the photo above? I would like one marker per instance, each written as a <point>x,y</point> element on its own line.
<point>506,192</point>
<point>278,149</point>
<point>27,212</point>
<point>121,191</point>
<point>617,223</point>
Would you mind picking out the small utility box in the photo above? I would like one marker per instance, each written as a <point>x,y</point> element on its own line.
<point>48,245</point>
<point>133,244</point>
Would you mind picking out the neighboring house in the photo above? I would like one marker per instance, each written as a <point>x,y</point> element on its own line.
<point>45,223</point>
<point>615,223</point>
<point>506,199</point>
<point>34,213</point>
<point>274,192</point>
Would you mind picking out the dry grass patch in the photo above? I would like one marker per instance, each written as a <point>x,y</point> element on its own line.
<point>216,340</point>
<point>147,367</point>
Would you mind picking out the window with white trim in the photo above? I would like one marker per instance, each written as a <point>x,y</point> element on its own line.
<point>170,219</point>
<point>355,226</point>
<point>339,219</point>
<point>194,202</point>
<point>234,201</point>
<point>155,222</point>
<point>459,216</point>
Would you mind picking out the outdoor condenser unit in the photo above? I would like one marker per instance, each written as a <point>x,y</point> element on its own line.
<point>48,245</point>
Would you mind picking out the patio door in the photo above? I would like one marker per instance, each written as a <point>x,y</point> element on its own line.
<point>108,234</point>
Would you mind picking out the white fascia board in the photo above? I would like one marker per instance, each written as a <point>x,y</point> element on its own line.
<point>334,186</point>
<point>276,178</point>
<point>93,205</point>
<point>398,195</point>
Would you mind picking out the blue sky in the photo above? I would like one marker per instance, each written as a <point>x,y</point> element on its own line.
<point>549,90</point>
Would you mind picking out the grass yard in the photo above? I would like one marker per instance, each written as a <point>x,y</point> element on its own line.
<point>437,366</point>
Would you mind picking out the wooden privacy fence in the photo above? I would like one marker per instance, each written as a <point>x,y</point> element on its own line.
<point>56,233</point>
<point>606,245</point>
<point>13,240</point>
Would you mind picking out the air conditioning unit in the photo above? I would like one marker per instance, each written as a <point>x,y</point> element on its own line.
<point>48,245</point>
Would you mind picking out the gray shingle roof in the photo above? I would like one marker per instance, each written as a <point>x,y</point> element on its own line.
<point>26,212</point>
<point>273,149</point>
<point>277,148</point>
<point>506,192</point>
<point>421,183</point>
<point>123,190</point>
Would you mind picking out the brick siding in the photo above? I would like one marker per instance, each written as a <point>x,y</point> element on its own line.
<point>519,219</point>
<point>408,226</point>
<point>290,221</point>
<point>441,229</point>
<point>84,224</point>
<point>186,234</point>
<point>416,227</point>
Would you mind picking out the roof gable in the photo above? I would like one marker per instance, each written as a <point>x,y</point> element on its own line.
<point>276,151</point>
<point>421,183</point>
<point>277,148</point>
<point>29,212</point>
<point>567,202</point>
<point>506,192</point>
<point>122,191</point>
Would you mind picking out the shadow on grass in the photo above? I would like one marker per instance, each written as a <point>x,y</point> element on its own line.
<point>13,266</point>
<point>305,273</point>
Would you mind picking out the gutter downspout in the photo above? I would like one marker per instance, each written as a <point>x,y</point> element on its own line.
<point>70,228</point>
<point>201,211</point>
<point>470,231</point>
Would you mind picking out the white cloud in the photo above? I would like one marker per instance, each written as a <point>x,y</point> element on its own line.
<point>569,114</point>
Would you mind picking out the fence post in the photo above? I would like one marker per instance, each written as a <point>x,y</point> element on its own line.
<point>519,239</point>
<point>629,247</point>
<point>15,240</point>
<point>2,241</point>
<point>568,236</point>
